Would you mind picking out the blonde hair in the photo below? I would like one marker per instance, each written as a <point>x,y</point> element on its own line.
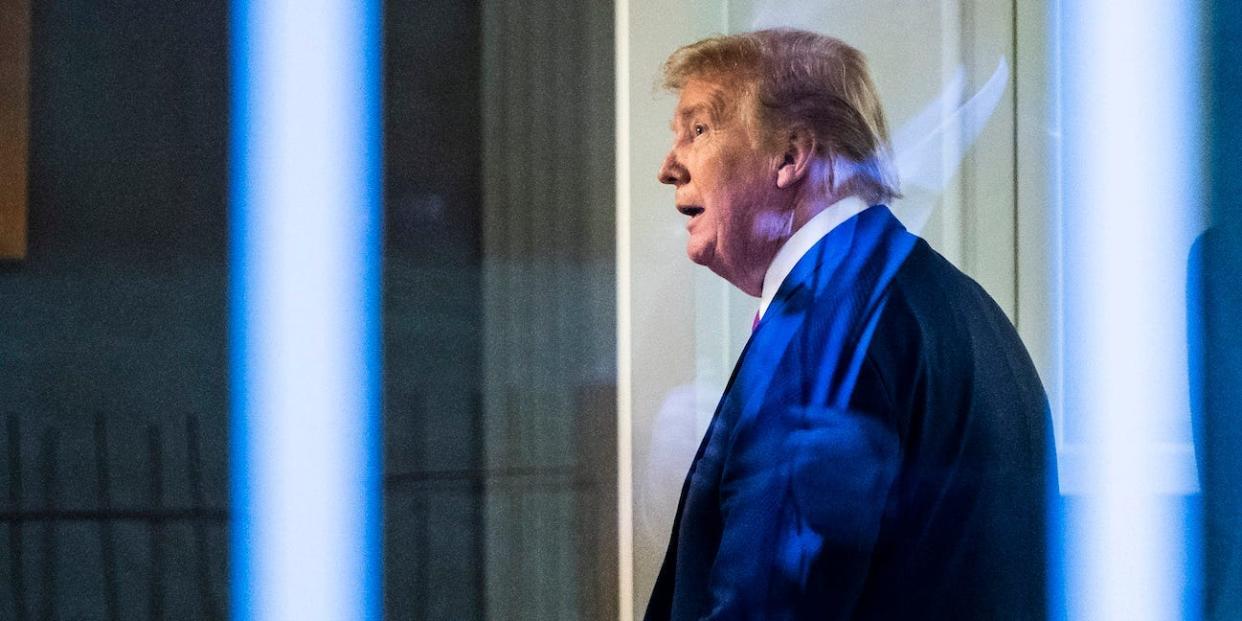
<point>795,77</point>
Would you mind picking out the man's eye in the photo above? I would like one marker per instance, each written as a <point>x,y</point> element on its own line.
<point>699,129</point>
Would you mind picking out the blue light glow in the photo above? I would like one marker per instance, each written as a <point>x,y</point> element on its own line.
<point>1130,216</point>
<point>305,177</point>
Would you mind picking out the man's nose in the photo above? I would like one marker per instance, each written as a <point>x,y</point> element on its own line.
<point>672,172</point>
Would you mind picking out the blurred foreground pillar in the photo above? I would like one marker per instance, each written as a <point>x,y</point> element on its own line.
<point>1133,206</point>
<point>304,310</point>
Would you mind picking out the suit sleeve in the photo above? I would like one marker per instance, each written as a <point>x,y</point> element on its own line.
<point>803,493</point>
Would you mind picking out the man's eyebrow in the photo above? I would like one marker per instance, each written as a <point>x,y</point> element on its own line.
<point>714,110</point>
<point>690,111</point>
<point>685,114</point>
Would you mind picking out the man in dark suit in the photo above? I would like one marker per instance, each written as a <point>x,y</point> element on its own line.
<point>882,448</point>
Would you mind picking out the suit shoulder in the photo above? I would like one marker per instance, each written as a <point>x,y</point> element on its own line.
<point>940,333</point>
<point>931,299</point>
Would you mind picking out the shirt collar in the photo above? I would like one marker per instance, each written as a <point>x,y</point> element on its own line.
<point>802,241</point>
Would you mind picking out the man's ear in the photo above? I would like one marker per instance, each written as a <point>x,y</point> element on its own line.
<point>796,160</point>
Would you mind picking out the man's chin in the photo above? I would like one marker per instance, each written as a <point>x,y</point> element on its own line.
<point>700,253</point>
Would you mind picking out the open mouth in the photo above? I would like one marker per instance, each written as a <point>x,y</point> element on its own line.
<point>688,210</point>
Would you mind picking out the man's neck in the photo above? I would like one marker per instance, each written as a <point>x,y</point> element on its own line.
<point>805,237</point>
<point>804,209</point>
<point>807,208</point>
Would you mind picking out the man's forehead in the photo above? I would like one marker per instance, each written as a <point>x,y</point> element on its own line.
<point>699,97</point>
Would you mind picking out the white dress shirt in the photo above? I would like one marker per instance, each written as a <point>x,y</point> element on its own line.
<point>802,241</point>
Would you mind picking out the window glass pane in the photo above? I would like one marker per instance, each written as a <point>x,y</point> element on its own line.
<point>500,391</point>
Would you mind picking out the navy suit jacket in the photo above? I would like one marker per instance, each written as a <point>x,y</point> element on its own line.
<point>916,490</point>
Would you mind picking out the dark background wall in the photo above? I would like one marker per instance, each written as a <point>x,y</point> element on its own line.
<point>112,332</point>
<point>1215,305</point>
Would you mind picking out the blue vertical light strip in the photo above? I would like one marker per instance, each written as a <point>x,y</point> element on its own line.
<point>305,176</point>
<point>1131,210</point>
